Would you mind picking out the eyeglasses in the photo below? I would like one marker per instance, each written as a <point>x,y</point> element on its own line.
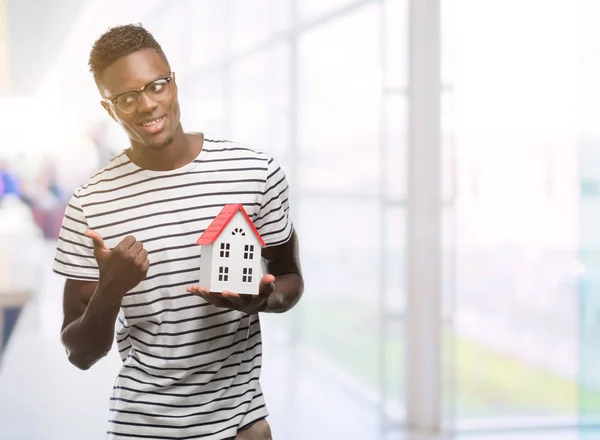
<point>156,90</point>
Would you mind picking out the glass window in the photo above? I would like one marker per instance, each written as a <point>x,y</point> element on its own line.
<point>394,365</point>
<point>448,31</point>
<point>589,168</point>
<point>261,100</point>
<point>247,275</point>
<point>395,43</point>
<point>223,273</point>
<point>224,252</point>
<point>339,104</point>
<point>249,252</point>
<point>516,219</point>
<point>253,21</point>
<point>395,260</point>
<point>203,102</point>
<point>448,165</point>
<point>310,9</point>
<point>341,257</point>
<point>395,142</point>
<point>207,42</point>
<point>168,24</point>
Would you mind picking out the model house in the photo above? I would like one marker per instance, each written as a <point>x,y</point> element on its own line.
<point>231,253</point>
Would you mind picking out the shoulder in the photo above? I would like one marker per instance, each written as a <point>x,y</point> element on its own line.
<point>116,167</point>
<point>215,147</point>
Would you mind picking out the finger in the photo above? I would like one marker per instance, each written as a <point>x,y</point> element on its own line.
<point>239,300</point>
<point>197,289</point>
<point>146,265</point>
<point>96,240</point>
<point>126,243</point>
<point>216,300</point>
<point>230,295</point>
<point>267,285</point>
<point>209,296</point>
<point>135,250</point>
<point>268,279</point>
<point>141,256</point>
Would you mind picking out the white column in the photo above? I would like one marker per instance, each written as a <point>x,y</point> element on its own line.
<point>424,320</point>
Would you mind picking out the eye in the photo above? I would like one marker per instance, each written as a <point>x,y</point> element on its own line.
<point>129,99</point>
<point>158,86</point>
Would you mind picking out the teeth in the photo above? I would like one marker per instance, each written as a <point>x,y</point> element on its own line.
<point>148,124</point>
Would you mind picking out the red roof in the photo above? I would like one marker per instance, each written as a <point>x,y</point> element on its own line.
<point>218,224</point>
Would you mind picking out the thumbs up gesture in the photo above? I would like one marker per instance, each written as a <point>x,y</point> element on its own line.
<point>121,268</point>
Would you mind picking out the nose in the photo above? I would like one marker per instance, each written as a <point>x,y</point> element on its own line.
<point>145,103</point>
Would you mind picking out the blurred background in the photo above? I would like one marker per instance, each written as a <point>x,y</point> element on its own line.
<point>444,161</point>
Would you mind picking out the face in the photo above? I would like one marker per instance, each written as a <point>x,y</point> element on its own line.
<point>152,124</point>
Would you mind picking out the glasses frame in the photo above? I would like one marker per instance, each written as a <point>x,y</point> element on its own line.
<point>114,100</point>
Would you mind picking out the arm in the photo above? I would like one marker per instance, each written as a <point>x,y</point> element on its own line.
<point>283,262</point>
<point>89,322</point>
<point>91,308</point>
<point>279,290</point>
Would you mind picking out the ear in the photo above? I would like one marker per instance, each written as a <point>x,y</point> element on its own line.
<point>108,109</point>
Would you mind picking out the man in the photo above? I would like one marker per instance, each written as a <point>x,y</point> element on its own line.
<point>191,358</point>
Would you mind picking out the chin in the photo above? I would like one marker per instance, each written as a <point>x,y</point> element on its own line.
<point>160,144</point>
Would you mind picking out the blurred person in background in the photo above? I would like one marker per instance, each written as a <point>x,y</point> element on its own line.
<point>47,199</point>
<point>191,358</point>
<point>9,181</point>
<point>98,135</point>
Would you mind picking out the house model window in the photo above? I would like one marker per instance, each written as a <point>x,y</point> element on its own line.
<point>231,251</point>
<point>249,252</point>
<point>223,273</point>
<point>247,275</point>
<point>225,248</point>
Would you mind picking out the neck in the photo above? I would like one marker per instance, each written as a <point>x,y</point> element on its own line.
<point>178,153</point>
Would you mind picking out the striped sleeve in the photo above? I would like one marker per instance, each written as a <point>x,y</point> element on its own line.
<point>74,256</point>
<point>273,221</point>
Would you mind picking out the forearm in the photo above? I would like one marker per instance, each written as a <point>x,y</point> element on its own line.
<point>89,338</point>
<point>288,291</point>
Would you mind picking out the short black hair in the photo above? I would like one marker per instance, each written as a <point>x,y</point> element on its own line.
<point>120,41</point>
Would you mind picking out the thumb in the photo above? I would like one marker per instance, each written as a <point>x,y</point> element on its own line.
<point>99,245</point>
<point>267,285</point>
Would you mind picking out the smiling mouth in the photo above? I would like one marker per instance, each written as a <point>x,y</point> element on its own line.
<point>154,122</point>
<point>155,126</point>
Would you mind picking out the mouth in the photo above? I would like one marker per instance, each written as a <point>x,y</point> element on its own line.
<point>154,126</point>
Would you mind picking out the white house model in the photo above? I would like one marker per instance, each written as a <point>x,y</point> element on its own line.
<point>230,257</point>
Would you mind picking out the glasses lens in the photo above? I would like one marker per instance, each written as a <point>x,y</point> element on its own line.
<point>158,90</point>
<point>128,102</point>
